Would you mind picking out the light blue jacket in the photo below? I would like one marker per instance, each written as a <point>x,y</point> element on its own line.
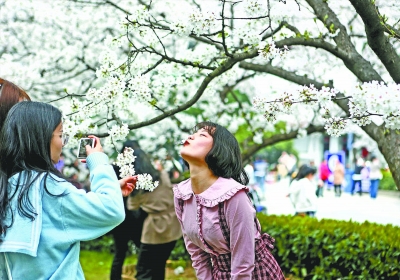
<point>48,247</point>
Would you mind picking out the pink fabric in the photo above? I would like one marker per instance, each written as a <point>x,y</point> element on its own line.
<point>324,171</point>
<point>202,232</point>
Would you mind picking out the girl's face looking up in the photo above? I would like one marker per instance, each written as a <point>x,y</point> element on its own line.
<point>197,146</point>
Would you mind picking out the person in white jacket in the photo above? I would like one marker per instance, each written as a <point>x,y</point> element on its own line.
<point>302,192</point>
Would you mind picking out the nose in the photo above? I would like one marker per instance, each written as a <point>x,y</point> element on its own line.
<point>191,137</point>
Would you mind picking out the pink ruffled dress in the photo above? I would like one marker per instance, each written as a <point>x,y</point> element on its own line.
<point>222,233</point>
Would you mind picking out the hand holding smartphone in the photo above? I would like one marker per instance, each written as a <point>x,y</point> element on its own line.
<point>82,146</point>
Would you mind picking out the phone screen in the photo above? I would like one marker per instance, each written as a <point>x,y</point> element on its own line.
<point>82,146</point>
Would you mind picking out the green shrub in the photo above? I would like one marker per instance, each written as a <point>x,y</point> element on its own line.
<point>180,252</point>
<point>330,249</point>
<point>387,182</point>
<point>104,243</point>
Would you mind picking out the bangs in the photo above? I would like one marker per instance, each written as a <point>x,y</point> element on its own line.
<point>210,127</point>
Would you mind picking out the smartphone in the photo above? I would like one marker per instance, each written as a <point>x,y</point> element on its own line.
<point>82,146</point>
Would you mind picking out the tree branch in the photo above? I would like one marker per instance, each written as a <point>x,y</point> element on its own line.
<point>246,155</point>
<point>316,43</point>
<point>360,67</point>
<point>375,29</point>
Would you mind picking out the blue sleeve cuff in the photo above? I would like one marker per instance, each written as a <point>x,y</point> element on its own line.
<point>96,159</point>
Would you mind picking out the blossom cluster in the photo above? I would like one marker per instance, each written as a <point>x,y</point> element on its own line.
<point>255,7</point>
<point>119,132</point>
<point>140,86</point>
<point>125,163</point>
<point>378,98</point>
<point>270,51</point>
<point>145,182</point>
<point>196,22</point>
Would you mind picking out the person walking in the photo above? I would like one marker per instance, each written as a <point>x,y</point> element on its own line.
<point>357,176</point>
<point>43,217</point>
<point>302,192</point>
<point>323,176</point>
<point>260,172</point>
<point>338,177</point>
<point>375,176</point>
<point>221,231</point>
<point>161,228</point>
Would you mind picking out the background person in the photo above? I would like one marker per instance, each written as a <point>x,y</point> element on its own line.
<point>323,176</point>
<point>217,218</point>
<point>129,229</point>
<point>365,179</point>
<point>260,172</point>
<point>338,177</point>
<point>43,203</point>
<point>161,227</point>
<point>375,176</point>
<point>302,192</point>
<point>357,176</point>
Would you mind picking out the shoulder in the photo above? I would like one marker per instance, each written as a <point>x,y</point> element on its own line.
<point>183,190</point>
<point>223,189</point>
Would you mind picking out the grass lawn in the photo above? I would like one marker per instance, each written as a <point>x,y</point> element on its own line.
<point>97,265</point>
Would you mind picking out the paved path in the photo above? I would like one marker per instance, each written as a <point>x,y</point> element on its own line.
<point>385,209</point>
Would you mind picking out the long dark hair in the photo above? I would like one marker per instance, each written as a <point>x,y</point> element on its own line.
<point>25,141</point>
<point>224,159</point>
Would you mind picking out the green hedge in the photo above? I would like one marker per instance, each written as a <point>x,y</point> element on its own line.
<point>319,249</point>
<point>331,249</point>
<point>387,182</point>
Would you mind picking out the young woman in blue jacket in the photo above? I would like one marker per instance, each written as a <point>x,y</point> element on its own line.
<point>43,217</point>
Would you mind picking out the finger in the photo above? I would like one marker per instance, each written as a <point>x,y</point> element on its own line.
<point>96,139</point>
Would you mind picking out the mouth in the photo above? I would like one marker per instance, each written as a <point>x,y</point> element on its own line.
<point>185,142</point>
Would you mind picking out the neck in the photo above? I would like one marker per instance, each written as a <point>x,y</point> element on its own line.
<point>201,179</point>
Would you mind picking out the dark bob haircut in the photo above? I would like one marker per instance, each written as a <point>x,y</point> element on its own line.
<point>224,159</point>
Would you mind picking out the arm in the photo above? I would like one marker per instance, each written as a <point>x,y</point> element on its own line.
<point>86,216</point>
<point>201,260</point>
<point>240,218</point>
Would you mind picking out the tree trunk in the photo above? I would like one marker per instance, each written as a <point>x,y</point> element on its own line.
<point>388,141</point>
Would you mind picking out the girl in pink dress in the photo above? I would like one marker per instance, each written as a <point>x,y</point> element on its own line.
<point>218,220</point>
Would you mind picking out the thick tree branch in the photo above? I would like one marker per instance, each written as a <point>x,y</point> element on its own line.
<point>252,150</point>
<point>360,67</point>
<point>316,43</point>
<point>377,40</point>
<point>282,73</point>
